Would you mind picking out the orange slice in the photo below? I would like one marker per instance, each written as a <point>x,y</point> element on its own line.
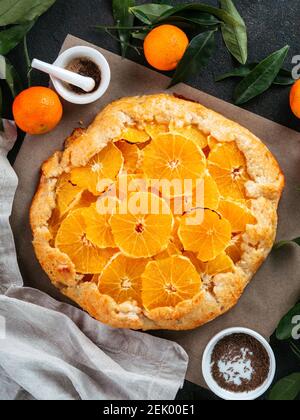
<point>208,237</point>
<point>142,225</point>
<point>205,196</point>
<point>166,283</point>
<point>67,193</point>
<point>96,217</point>
<point>212,142</point>
<point>154,130</point>
<point>172,159</point>
<point>122,279</point>
<point>130,183</point>
<point>221,264</point>
<point>175,238</point>
<point>131,155</point>
<point>191,133</point>
<point>227,165</point>
<point>101,170</point>
<point>238,216</point>
<point>169,252</point>
<point>71,239</point>
<point>134,135</point>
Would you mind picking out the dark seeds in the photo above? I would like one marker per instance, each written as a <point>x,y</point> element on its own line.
<point>240,363</point>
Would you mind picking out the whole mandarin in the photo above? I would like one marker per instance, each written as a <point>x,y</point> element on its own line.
<point>37,110</point>
<point>165,46</point>
<point>295,99</point>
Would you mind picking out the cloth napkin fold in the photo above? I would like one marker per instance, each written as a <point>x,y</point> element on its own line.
<point>54,351</point>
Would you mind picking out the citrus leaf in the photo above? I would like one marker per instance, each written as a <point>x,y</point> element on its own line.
<point>285,328</point>
<point>195,18</point>
<point>148,13</point>
<point>124,18</point>
<point>284,77</point>
<point>196,56</point>
<point>10,75</point>
<point>284,243</point>
<point>287,389</point>
<point>235,36</point>
<point>16,11</point>
<point>260,78</point>
<point>139,34</point>
<point>11,37</point>
<point>219,13</point>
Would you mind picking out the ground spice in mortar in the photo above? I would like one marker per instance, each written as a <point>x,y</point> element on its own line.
<point>240,363</point>
<point>85,67</point>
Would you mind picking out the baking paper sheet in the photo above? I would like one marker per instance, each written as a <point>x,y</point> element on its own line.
<point>275,287</point>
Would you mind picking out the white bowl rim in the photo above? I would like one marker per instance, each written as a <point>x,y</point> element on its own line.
<point>229,395</point>
<point>82,51</point>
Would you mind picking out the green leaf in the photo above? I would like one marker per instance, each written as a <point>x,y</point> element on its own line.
<point>148,13</point>
<point>123,17</point>
<point>285,328</point>
<point>18,12</point>
<point>219,13</point>
<point>287,389</point>
<point>198,18</point>
<point>235,36</point>
<point>281,244</point>
<point>261,77</point>
<point>10,75</point>
<point>284,77</point>
<point>11,37</point>
<point>139,34</point>
<point>196,57</point>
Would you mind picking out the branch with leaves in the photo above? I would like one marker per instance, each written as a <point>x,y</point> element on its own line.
<point>206,21</point>
<point>16,19</point>
<point>288,388</point>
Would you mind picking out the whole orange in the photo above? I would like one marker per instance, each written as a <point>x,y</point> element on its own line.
<point>37,110</point>
<point>295,98</point>
<point>165,46</point>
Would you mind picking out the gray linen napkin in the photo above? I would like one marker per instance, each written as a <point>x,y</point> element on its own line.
<point>54,351</point>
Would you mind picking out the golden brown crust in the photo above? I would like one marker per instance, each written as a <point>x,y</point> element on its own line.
<point>222,293</point>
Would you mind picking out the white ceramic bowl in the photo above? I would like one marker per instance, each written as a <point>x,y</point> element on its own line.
<point>87,52</point>
<point>228,395</point>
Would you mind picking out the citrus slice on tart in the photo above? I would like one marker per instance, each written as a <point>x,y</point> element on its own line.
<point>121,279</point>
<point>175,162</point>
<point>131,155</point>
<point>204,232</point>
<point>67,193</point>
<point>228,166</point>
<point>238,215</point>
<point>168,282</point>
<point>191,133</point>
<point>154,130</point>
<point>142,225</point>
<point>101,170</point>
<point>134,135</point>
<point>221,264</point>
<point>96,217</point>
<point>71,239</point>
<point>205,195</point>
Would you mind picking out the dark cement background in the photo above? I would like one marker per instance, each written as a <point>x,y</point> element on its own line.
<point>271,25</point>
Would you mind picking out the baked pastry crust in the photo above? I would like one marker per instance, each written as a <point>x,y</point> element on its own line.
<point>263,192</point>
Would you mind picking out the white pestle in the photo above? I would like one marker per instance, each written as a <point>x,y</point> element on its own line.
<point>85,83</point>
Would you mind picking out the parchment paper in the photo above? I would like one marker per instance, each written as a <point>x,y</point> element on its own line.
<point>276,286</point>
